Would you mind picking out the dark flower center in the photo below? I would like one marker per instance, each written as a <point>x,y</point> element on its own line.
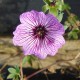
<point>39,32</point>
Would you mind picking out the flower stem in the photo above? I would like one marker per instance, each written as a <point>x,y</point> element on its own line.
<point>21,70</point>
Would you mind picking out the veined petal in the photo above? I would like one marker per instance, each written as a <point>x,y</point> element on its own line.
<point>49,47</point>
<point>29,18</point>
<point>30,47</point>
<point>59,40</point>
<point>52,24</point>
<point>50,20</point>
<point>22,28</point>
<point>41,18</point>
<point>41,54</point>
<point>22,35</point>
<point>22,40</point>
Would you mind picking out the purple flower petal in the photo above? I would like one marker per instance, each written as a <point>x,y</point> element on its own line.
<point>54,25</point>
<point>48,48</point>
<point>58,40</point>
<point>41,54</point>
<point>30,47</point>
<point>22,35</point>
<point>29,18</point>
<point>41,18</point>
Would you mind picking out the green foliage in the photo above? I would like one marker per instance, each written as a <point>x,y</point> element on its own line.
<point>28,59</point>
<point>14,73</point>
<point>47,1</point>
<point>45,8</point>
<point>73,34</point>
<point>56,9</point>
<point>12,70</point>
<point>53,10</point>
<point>60,16</point>
<point>59,5</point>
<point>11,76</point>
<point>72,23</point>
<point>66,6</point>
<point>65,27</point>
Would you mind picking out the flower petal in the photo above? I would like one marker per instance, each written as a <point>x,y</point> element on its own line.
<point>30,47</point>
<point>40,54</point>
<point>41,18</point>
<point>22,28</point>
<point>29,18</point>
<point>59,40</point>
<point>22,35</point>
<point>49,47</point>
<point>53,25</point>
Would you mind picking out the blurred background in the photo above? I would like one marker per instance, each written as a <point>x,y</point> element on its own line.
<point>11,9</point>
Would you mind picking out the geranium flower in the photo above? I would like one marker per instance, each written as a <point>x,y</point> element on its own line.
<point>39,34</point>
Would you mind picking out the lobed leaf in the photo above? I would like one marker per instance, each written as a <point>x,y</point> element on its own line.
<point>10,76</point>
<point>12,70</point>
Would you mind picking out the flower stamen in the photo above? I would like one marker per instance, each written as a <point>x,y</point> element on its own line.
<point>39,32</point>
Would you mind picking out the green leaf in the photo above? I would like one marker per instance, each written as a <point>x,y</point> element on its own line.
<point>26,59</point>
<point>17,69</point>
<point>60,17</point>
<point>60,7</point>
<point>12,70</point>
<point>75,36</point>
<point>47,1</point>
<point>30,62</point>
<point>70,35</point>
<point>66,6</point>
<point>51,0</point>
<point>76,30</point>
<point>53,11</point>
<point>45,8</point>
<point>65,27</point>
<point>10,76</point>
<point>33,58</point>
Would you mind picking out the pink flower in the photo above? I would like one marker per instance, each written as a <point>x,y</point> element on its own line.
<point>39,34</point>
